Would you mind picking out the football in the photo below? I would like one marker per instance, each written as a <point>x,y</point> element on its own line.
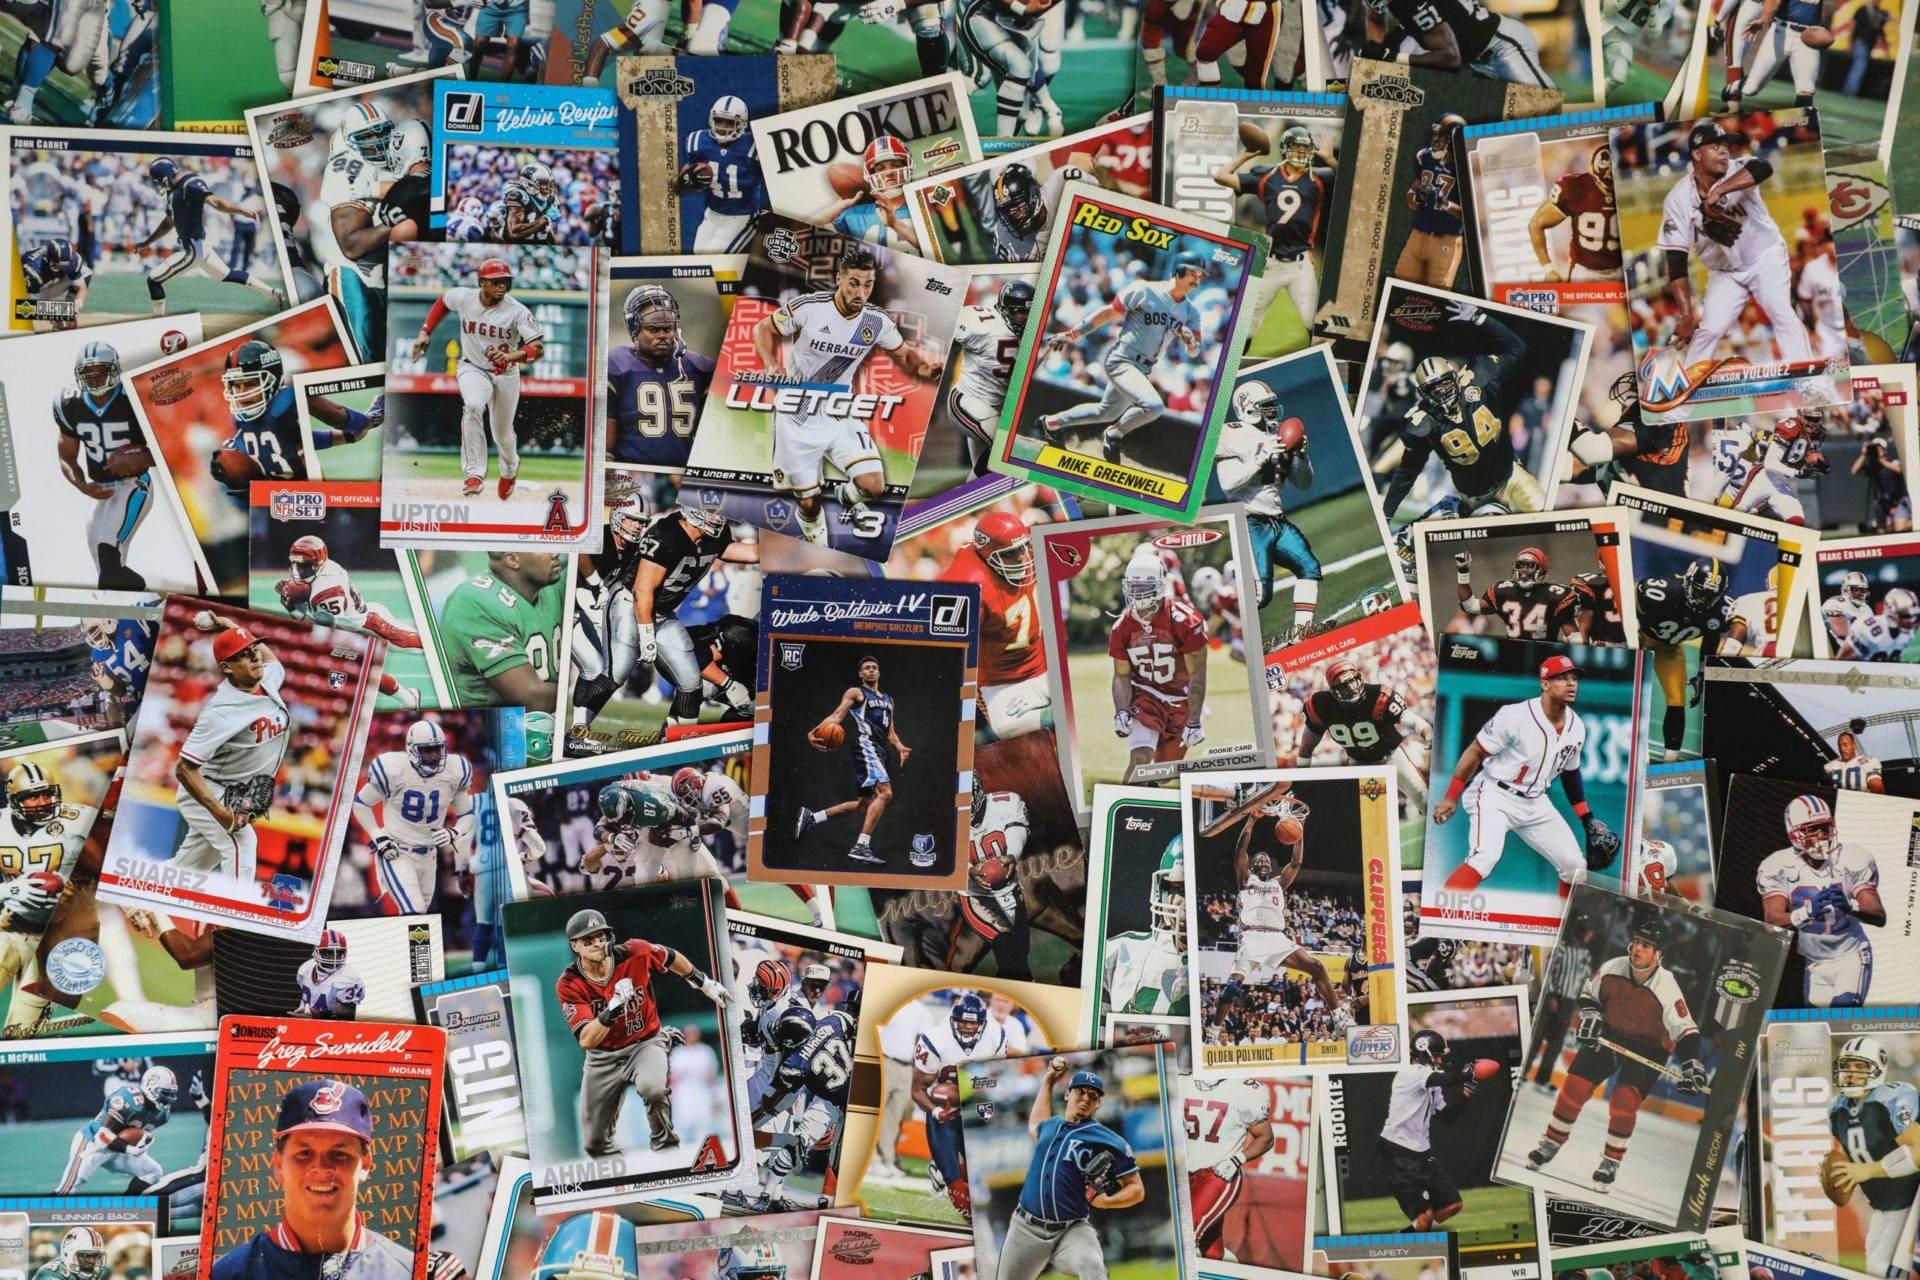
<point>993,873</point>
<point>1290,433</point>
<point>1485,1069</point>
<point>1828,1183</point>
<point>293,592</point>
<point>129,460</point>
<point>829,738</point>
<point>48,882</point>
<point>132,1133</point>
<point>1816,37</point>
<point>233,467</point>
<point>1253,137</point>
<point>847,179</point>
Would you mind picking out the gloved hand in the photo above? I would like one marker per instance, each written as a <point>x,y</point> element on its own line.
<point>1589,1026</point>
<point>383,846</point>
<point>1122,724</point>
<point>1192,736</point>
<point>649,647</point>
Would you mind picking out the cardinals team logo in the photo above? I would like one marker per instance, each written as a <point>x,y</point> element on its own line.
<point>1070,556</point>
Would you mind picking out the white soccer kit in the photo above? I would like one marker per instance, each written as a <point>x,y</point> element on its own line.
<point>827,346</point>
<point>322,994</point>
<point>1753,266</point>
<point>1838,956</point>
<point>238,736</point>
<point>1264,943</point>
<point>1525,753</point>
<point>1825,296</point>
<point>413,806</point>
<point>1857,774</point>
<point>485,334</point>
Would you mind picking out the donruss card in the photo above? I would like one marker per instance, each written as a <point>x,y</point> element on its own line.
<point>1256,1210</point>
<point>524,164</point>
<point>1120,391</point>
<point>483,1110</point>
<point>1541,577</point>
<point>1841,724</point>
<point>337,400</point>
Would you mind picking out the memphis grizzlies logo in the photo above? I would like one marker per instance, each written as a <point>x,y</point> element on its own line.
<point>922,852</point>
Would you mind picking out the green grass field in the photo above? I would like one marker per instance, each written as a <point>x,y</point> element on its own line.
<point>1103,757</point>
<point>1413,843</point>
<point>1494,1217</point>
<point>217,60</point>
<point>1282,332</point>
<point>122,294</point>
<point>774,900</point>
<point>444,464</point>
<point>361,459</point>
<point>1844,121</point>
<point>631,722</point>
<point>41,1153</point>
<point>914,1201</point>
<point>1336,529</point>
<point>408,666</point>
<point>62,98</point>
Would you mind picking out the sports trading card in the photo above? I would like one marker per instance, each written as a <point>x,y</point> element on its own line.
<point>1554,48</point>
<point>1000,209</point>
<point>918,1030</point>
<point>1640,1256</point>
<point>525,164</point>
<point>1541,577</point>
<point>1841,724</point>
<point>879,1250</point>
<point>215,824</point>
<point>1666,1020</point>
<point>176,1257</point>
<point>864,669</point>
<point>1315,982</point>
<point>1864,253</point>
<point>1804,55</point>
<point>320,398</point>
<point>52,626</point>
<point>1792,1265</point>
<point>187,243</point>
<point>463,1194</point>
<point>1698,249</point>
<point>1136,961</point>
<point>347,43</point>
<point>482,1110</point>
<point>215,63</point>
<point>649,1241</point>
<point>1864,611</point>
<point>1137,372</point>
<point>290,1093</point>
<point>1178,696</point>
<point>1678,849</point>
<point>1447,964</point>
<point>1573,1225</point>
<point>359,970</point>
<point>502,376</point>
<point>1517,734</point>
<point>1653,52</point>
<point>110,1237</point>
<point>1249,1163</point>
<point>1400,1255</point>
<point>641,973</point>
<point>952,1264</point>
<point>106,59</point>
<point>1416,1147</point>
<point>1268,46</point>
<point>673,315</point>
<point>218,416</point>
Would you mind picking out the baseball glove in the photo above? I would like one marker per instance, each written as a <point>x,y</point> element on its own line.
<point>1722,226</point>
<point>1099,1173</point>
<point>252,797</point>
<point>1603,846</point>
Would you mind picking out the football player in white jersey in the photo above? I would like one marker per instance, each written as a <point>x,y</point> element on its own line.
<point>41,838</point>
<point>1759,464</point>
<point>1229,1125</point>
<point>425,800</point>
<point>967,1035</point>
<point>497,336</point>
<point>715,798</point>
<point>230,763</point>
<point>645,850</point>
<point>1824,297</point>
<point>329,986</point>
<point>356,177</point>
<point>1761,611</point>
<point>322,589</point>
<point>988,340</point>
<point>1146,971</point>
<point>994,904</point>
<point>1654,867</point>
<point>1023,209</point>
<point>284,20</point>
<point>1854,770</point>
<point>771,991</point>
<point>1847,606</point>
<point>1266,950</point>
<point>1826,892</point>
<point>1883,636</point>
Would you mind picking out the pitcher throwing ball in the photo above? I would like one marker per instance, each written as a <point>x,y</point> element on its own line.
<point>497,335</point>
<point>1078,1165</point>
<point>229,763</point>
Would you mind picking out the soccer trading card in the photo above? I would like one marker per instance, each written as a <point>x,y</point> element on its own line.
<point>1841,724</point>
<point>1865,610</point>
<point>215,824</point>
<point>525,164</point>
<point>344,43</point>
<point>290,1094</point>
<point>1528,736</point>
<point>640,974</point>
<point>1417,1145</point>
<point>501,376</point>
<point>1666,1019</point>
<point>878,1250</point>
<point>1000,209</point>
<point>1265,162</point>
<point>1680,811</point>
<point>1400,1255</point>
<point>1316,982</point>
<point>104,636</point>
<point>1542,577</point>
<point>1249,1164</point>
<point>335,400</point>
<point>1136,960</point>
<point>215,63</point>
<point>661,356</point>
<point>1447,964</point>
<point>1138,372</point>
<point>1804,54</point>
<point>482,1110</point>
<point>219,416</point>
<point>359,970</point>
<point>871,671</point>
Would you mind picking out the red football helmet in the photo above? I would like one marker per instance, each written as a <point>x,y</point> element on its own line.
<point>330,953</point>
<point>887,150</point>
<point>1001,539</point>
<point>686,784</point>
<point>307,556</point>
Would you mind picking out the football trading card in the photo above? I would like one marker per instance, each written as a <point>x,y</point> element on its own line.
<point>359,970</point>
<point>1178,695</point>
<point>107,60</point>
<point>365,43</point>
<point>1120,389</point>
<point>1722,222</point>
<point>1666,1019</point>
<point>215,824</point>
<point>525,164</point>
<point>1082,1137</point>
<point>462,1201</point>
<point>482,1110</point>
<point>214,63</point>
<point>641,973</point>
<point>1267,46</point>
<point>1864,252</point>
<point>849,1247</point>
<point>1315,983</point>
<point>1265,162</point>
<point>290,1093</point>
<point>192,246</point>
<point>336,400</point>
<point>1680,811</point>
<point>1800,56</point>
<point>49,1237</point>
<point>864,670</point>
<point>1417,1145</point>
<point>50,624</point>
<point>1136,963</point>
<point>218,416</point>
<point>1841,724</point>
<point>1400,1255</point>
<point>690,116</point>
<point>1573,1225</point>
<point>660,357</point>
<point>1684,1255</point>
<point>502,375</point>
<point>1249,1159</point>
<point>1528,577</point>
<point>1448,964</point>
<point>1517,725</point>
<point>1555,48</point>
<point>315,556</point>
<point>650,1241</point>
<point>1654,52</point>
<point>1000,209</point>
<point>1791,1264</point>
<point>1864,609</point>
<point>918,1029</point>
<point>177,1257</point>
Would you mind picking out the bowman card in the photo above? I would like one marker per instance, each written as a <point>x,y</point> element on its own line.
<point>482,1111</point>
<point>336,400</point>
<point>1136,909</point>
<point>1838,724</point>
<point>1541,577</point>
<point>1249,1167</point>
<point>1866,598</point>
<point>112,1235</point>
<point>524,164</point>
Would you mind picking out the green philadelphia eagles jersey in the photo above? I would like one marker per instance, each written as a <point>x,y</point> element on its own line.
<point>1145,973</point>
<point>490,628</point>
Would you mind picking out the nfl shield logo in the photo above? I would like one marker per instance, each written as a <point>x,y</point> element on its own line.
<point>790,656</point>
<point>922,853</point>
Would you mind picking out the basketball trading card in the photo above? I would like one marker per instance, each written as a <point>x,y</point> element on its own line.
<point>52,1236</point>
<point>345,43</point>
<point>640,974</point>
<point>1559,576</point>
<point>482,1110</point>
<point>1417,1146</point>
<point>1863,252</point>
<point>502,377</point>
<point>1000,209</point>
<point>292,1093</point>
<point>660,357</point>
<point>848,1247</point>
<point>1678,849</point>
<point>691,117</point>
<point>1531,738</point>
<point>1864,609</point>
<point>1804,55</point>
<point>334,400</point>
<point>214,63</point>
<point>359,971</point>
<point>105,636</point>
<point>214,823</point>
<point>219,415</point>
<point>1447,964</point>
<point>1249,1168</point>
<point>1839,724</point>
<point>525,164</point>
<point>1399,1255</point>
<point>1120,389</point>
<point>1136,948</point>
<point>1667,1019</point>
<point>1265,162</point>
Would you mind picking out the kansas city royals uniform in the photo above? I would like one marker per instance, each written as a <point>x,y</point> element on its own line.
<point>828,347</point>
<point>1050,1227</point>
<point>238,736</point>
<point>101,426</point>
<point>1525,753</point>
<point>1838,957</point>
<point>415,805</point>
<point>1753,266</point>
<point>88,1153</point>
<point>1244,448</point>
<point>1149,316</point>
<point>1145,972</point>
<point>1868,1129</point>
<point>736,195</point>
<point>486,332</point>
<point>1264,943</point>
<point>323,994</point>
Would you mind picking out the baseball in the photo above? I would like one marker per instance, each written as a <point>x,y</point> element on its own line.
<point>205,621</point>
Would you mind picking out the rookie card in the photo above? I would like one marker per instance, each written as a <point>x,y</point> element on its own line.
<point>1841,724</point>
<point>49,625</point>
<point>1249,1168</point>
<point>525,164</point>
<point>1809,56</point>
<point>1667,1018</point>
<point>1680,813</point>
<point>289,1093</point>
<point>482,1109</point>
<point>214,64</point>
<point>1863,609</point>
<point>359,971</point>
<point>879,1250</point>
<point>343,43</point>
<point>1136,961</point>
<point>1399,1255</point>
<point>1540,577</point>
<point>672,315</point>
<point>333,399</point>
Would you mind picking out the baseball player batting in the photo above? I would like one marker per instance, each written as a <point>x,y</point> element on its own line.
<point>229,763</point>
<point>1078,1165</point>
<point>606,995</point>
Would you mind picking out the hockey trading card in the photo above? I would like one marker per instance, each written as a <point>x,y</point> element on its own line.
<point>367,43</point>
<point>1136,961</point>
<point>660,357</point>
<point>215,63</point>
<point>220,415</point>
<point>1249,1168</point>
<point>1265,162</point>
<point>482,1110</point>
<point>52,1237</point>
<point>1447,964</point>
<point>1119,393</point>
<point>525,164</point>
<point>1295,963</point>
<point>1864,609</point>
<point>1559,576</point>
<point>849,1247</point>
<point>1000,209</point>
<point>1838,724</point>
<point>1399,1255</point>
<point>336,401</point>
<point>1680,813</point>
<point>359,970</point>
<point>640,973</point>
<point>186,243</point>
<point>1802,55</point>
<point>690,116</point>
<point>107,59</point>
<point>293,1093</point>
<point>116,631</point>
<point>869,670</point>
<point>1539,743</point>
<point>1417,1146</point>
<point>1178,696</point>
<point>501,377</point>
<point>1866,300</point>
<point>1666,1019</point>
<point>214,823</point>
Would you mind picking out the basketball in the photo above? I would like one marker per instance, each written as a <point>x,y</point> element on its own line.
<point>830,737</point>
<point>1289,829</point>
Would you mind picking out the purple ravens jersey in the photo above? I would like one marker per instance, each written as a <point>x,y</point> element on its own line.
<point>737,186</point>
<point>654,407</point>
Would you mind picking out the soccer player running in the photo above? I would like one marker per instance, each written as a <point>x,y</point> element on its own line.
<point>877,755</point>
<point>497,336</point>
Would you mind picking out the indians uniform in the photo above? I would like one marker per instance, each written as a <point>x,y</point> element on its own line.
<point>332,597</point>
<point>1149,316</point>
<point>1869,1128</point>
<point>488,389</point>
<point>1159,699</point>
<point>276,1254</point>
<point>1525,753</point>
<point>1218,1115</point>
<point>239,737</point>
<point>414,805</point>
<point>1264,944</point>
<point>1050,1229</point>
<point>101,425</point>
<point>736,195</point>
<point>827,347</point>
<point>1001,832</point>
<point>127,1107</point>
<point>1013,662</point>
<point>1293,200</point>
<point>1825,298</point>
<point>1754,266</point>
<point>634,1054</point>
<point>1530,610</point>
<point>1781,46</point>
<point>1834,945</point>
<point>327,992</point>
<point>1594,242</point>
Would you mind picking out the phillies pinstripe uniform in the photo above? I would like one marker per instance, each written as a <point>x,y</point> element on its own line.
<point>1525,753</point>
<point>1050,1227</point>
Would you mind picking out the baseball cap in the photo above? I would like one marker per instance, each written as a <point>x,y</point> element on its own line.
<point>332,1105</point>
<point>817,973</point>
<point>1560,665</point>
<point>1708,132</point>
<point>230,642</point>
<point>1086,1080</point>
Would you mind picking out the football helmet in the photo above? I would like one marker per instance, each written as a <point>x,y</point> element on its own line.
<point>617,807</point>
<point>537,178</point>
<point>1429,1047</point>
<point>97,362</point>
<point>1600,165</point>
<point>651,306</point>
<point>366,131</point>
<point>1258,403</point>
<point>1440,135</point>
<point>1437,382</point>
<point>1703,584</point>
<point>426,747</point>
<point>160,1086</point>
<point>1167,898</point>
<point>771,979</point>
<point>1625,392</point>
<point>687,782</point>
<point>968,1018</point>
<point>330,953</point>
<point>1860,1067</point>
<point>888,165</point>
<point>1296,147</point>
<point>791,1029</point>
<point>1015,304</point>
<point>1530,567</point>
<point>1853,588</point>
<point>306,557</point>
<point>1144,585</point>
<point>83,1253</point>
<point>727,119</point>
<point>251,379</point>
<point>1901,608</point>
<point>1017,200</point>
<point>409,144</point>
<point>161,173</point>
<point>1811,829</point>
<point>1344,678</point>
<point>629,519</point>
<point>1396,365</point>
<point>1002,540</point>
<point>33,796</point>
<point>752,1261</point>
<point>709,522</point>
<point>590,1246</point>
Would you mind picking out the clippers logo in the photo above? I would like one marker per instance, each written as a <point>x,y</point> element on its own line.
<point>791,656</point>
<point>951,616</point>
<point>1374,1044</point>
<point>465,113</point>
<point>284,892</point>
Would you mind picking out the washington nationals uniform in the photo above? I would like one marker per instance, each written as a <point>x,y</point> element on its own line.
<point>1218,1114</point>
<point>1754,266</point>
<point>88,1153</point>
<point>634,1052</point>
<point>1264,943</point>
<point>1825,296</point>
<point>1834,944</point>
<point>1525,753</point>
<point>322,995</point>
<point>1149,316</point>
<point>827,347</point>
<point>1050,1227</point>
<point>484,332</point>
<point>238,736</point>
<point>1159,700</point>
<point>414,805</point>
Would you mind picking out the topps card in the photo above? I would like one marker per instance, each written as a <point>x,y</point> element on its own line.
<point>335,401</point>
<point>524,164</point>
<point>1136,940</point>
<point>1541,577</point>
<point>673,314</point>
<point>1865,598</point>
<point>482,1109</point>
<point>1839,724</point>
<point>1261,1213</point>
<point>289,1093</point>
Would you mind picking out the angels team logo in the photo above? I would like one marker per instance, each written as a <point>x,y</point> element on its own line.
<point>790,656</point>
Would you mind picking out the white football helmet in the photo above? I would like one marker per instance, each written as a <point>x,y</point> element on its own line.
<point>161,1086</point>
<point>727,119</point>
<point>1811,829</point>
<point>1144,585</point>
<point>1865,1060</point>
<point>1169,893</point>
<point>426,747</point>
<point>1901,608</point>
<point>1257,403</point>
<point>1658,862</point>
<point>83,1253</point>
<point>1853,587</point>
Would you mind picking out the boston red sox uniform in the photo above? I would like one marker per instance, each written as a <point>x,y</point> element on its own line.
<point>1525,753</point>
<point>1753,266</point>
<point>238,736</point>
<point>826,346</point>
<point>1263,929</point>
<point>633,1054</point>
<point>485,332</point>
<point>1218,1115</point>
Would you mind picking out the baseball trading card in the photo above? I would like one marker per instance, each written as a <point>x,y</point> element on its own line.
<point>482,1111</point>
<point>1401,1255</point>
<point>673,315</point>
<point>524,164</point>
<point>603,1029</point>
<point>691,117</point>
<point>1540,577</point>
<point>1448,964</point>
<point>1136,964</point>
<point>371,42</point>
<point>1265,162</point>
<point>648,1241</point>
<point>1414,1148</point>
<point>118,226</point>
<point>107,59</point>
<point>1518,735</point>
<point>214,63</point>
<point>1864,610</point>
<point>1683,1256</point>
<point>315,557</point>
<point>1120,391</point>
<point>115,629</point>
<point>360,970</point>
<point>1000,209</point>
<point>1296,963</point>
<point>1832,57</point>
<point>215,824</point>
<point>1679,844</point>
<point>1249,1164</point>
<point>108,1237</point>
<point>502,376</point>
<point>217,416</point>
<point>849,1247</point>
<point>1838,724</point>
<point>370,1120</point>
<point>1865,255</point>
<point>1666,1019</point>
<point>319,397</point>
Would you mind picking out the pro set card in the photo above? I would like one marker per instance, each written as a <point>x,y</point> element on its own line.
<point>1256,1208</point>
<point>1831,723</point>
<point>1136,908</point>
<point>1560,576</point>
<point>524,164</point>
<point>332,401</point>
